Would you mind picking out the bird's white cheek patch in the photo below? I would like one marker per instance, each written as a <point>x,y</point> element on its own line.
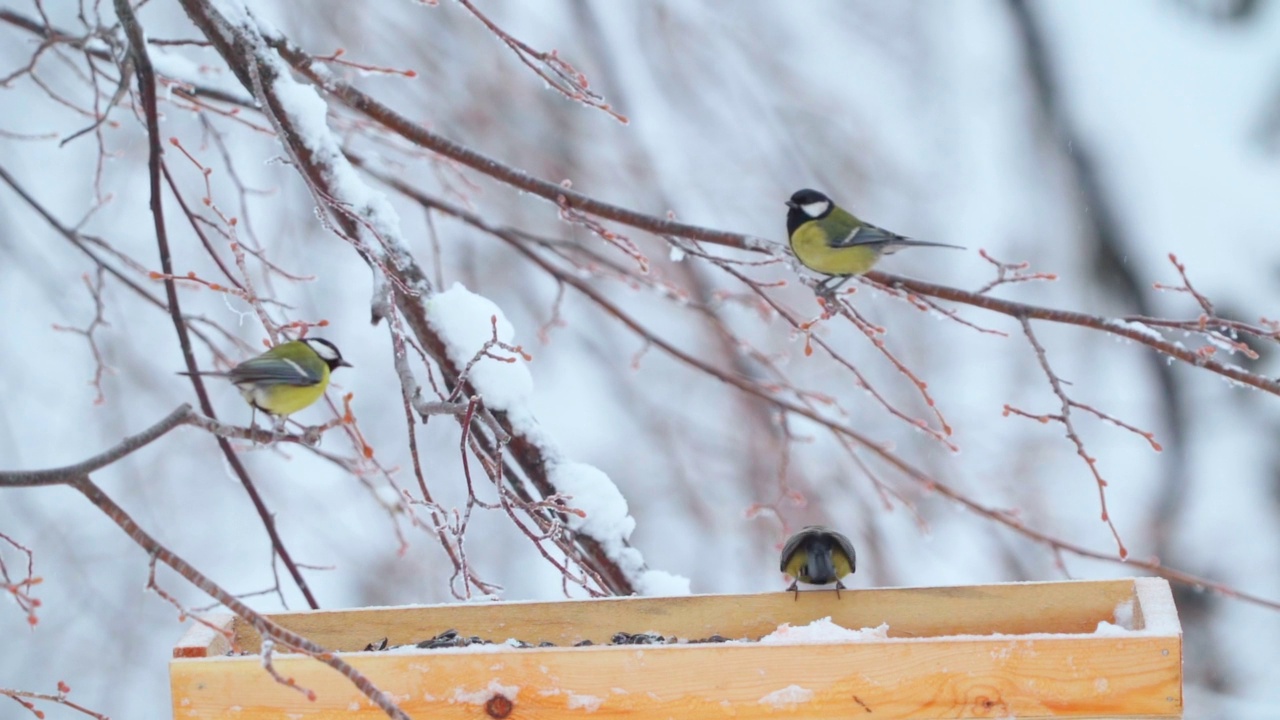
<point>815,209</point>
<point>325,352</point>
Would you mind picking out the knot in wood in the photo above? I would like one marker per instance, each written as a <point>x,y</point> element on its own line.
<point>499,706</point>
<point>986,701</point>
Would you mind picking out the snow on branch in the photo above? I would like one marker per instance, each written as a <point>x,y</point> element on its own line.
<point>365,218</point>
<point>479,337</point>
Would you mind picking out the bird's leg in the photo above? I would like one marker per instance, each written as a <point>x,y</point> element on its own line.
<point>827,290</point>
<point>253,423</point>
<point>277,428</point>
<point>841,280</point>
<point>795,585</point>
<point>839,586</point>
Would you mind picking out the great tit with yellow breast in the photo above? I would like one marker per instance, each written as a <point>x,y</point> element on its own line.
<point>286,378</point>
<point>817,555</point>
<point>829,239</point>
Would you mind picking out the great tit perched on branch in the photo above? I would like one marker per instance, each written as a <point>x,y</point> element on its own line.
<point>829,239</point>
<point>818,555</point>
<point>286,378</point>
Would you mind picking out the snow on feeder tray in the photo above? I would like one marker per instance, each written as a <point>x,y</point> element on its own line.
<point>1081,649</point>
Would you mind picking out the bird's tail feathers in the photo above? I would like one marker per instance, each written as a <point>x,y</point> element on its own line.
<point>901,242</point>
<point>822,567</point>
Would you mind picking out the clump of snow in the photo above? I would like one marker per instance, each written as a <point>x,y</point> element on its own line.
<point>1124,614</point>
<point>1159,616</point>
<point>465,321</point>
<point>822,631</point>
<point>305,113</point>
<point>661,582</point>
<point>308,115</point>
<point>1123,625</point>
<point>787,697</point>
<point>590,703</point>
<point>596,495</point>
<point>1107,629</point>
<point>606,519</point>
<point>483,695</point>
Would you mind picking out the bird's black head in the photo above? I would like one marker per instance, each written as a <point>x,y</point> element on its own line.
<point>806,205</point>
<point>328,352</point>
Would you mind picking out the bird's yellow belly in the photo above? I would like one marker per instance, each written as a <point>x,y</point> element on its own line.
<point>843,566</point>
<point>810,246</point>
<point>283,400</point>
<point>796,564</point>
<point>797,567</point>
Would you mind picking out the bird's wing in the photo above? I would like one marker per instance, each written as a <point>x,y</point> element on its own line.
<point>793,544</point>
<point>845,230</point>
<point>847,547</point>
<point>856,232</point>
<point>887,242</point>
<point>868,235</point>
<point>272,371</point>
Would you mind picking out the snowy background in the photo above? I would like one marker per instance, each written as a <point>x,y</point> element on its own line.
<point>1157,136</point>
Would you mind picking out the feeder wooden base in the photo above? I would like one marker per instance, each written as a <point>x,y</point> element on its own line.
<point>1026,650</point>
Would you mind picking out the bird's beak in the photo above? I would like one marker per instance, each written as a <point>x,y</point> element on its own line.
<point>344,363</point>
<point>793,204</point>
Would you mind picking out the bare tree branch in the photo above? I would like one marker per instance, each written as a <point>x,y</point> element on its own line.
<point>147,88</point>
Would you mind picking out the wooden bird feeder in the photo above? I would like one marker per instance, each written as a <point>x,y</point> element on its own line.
<point>1025,650</point>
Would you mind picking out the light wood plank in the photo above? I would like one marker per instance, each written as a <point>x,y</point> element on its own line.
<point>1014,608</point>
<point>944,660</point>
<point>1049,677</point>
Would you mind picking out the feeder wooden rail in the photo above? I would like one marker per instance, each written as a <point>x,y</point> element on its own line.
<point>1026,650</point>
